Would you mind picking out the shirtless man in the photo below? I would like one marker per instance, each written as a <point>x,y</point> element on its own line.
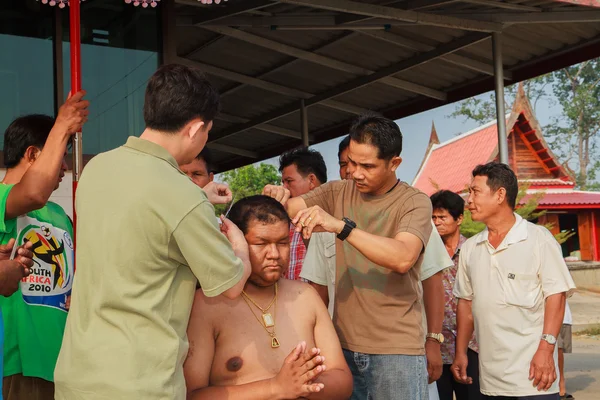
<point>240,351</point>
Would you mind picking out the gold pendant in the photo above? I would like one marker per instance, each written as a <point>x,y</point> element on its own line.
<point>274,342</point>
<point>268,320</point>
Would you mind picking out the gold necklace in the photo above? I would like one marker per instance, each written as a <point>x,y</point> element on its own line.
<point>268,320</point>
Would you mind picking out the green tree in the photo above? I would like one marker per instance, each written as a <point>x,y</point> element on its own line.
<point>526,211</point>
<point>574,134</point>
<point>482,109</point>
<point>247,181</point>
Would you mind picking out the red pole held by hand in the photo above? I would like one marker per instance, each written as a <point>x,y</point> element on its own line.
<point>75,35</point>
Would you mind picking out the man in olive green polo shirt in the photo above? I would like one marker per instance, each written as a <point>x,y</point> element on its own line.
<point>145,235</point>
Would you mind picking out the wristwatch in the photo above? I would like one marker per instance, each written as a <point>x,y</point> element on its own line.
<point>549,338</point>
<point>436,336</point>
<point>347,228</point>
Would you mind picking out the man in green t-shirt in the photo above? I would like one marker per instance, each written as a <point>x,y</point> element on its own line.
<point>34,317</point>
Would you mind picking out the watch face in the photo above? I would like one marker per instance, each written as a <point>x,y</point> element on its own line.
<point>550,339</point>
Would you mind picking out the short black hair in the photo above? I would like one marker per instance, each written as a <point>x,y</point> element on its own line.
<point>177,94</point>
<point>450,201</point>
<point>307,161</point>
<point>376,130</point>
<point>206,156</point>
<point>25,131</point>
<point>261,208</point>
<point>344,144</point>
<point>500,176</point>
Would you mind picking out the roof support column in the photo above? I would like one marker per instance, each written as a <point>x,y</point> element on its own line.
<point>304,123</point>
<point>499,85</point>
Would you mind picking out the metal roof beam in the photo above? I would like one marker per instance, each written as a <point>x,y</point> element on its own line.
<point>216,13</point>
<point>325,61</point>
<point>373,10</point>
<point>263,127</point>
<point>357,83</point>
<point>232,150</point>
<point>455,58</point>
<point>409,5</point>
<point>420,4</point>
<point>502,4</point>
<point>544,17</point>
<point>276,20</point>
<point>272,87</point>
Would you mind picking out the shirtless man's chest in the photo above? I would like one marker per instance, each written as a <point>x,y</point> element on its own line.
<point>243,345</point>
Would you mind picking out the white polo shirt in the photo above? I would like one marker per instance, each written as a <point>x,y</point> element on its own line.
<point>508,286</point>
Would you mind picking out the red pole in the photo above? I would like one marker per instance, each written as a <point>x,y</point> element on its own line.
<point>75,36</point>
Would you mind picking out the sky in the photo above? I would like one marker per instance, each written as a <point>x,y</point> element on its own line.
<point>416,130</point>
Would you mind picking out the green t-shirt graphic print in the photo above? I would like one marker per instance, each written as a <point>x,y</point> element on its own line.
<point>35,316</point>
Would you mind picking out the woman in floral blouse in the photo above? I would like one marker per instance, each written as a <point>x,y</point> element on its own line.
<point>448,209</point>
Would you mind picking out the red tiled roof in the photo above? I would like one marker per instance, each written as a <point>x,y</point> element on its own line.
<point>568,198</point>
<point>450,164</point>
<point>548,182</point>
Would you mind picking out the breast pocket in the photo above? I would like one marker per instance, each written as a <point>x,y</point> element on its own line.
<point>521,290</point>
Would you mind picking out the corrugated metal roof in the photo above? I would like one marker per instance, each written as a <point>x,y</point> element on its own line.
<point>272,58</point>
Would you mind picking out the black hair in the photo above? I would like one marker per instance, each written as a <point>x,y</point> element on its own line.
<point>307,161</point>
<point>500,176</point>
<point>376,130</point>
<point>261,208</point>
<point>344,144</point>
<point>29,130</point>
<point>177,94</point>
<point>450,201</point>
<point>206,156</point>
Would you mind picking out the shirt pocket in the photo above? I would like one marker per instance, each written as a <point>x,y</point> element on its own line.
<point>329,253</point>
<point>521,290</point>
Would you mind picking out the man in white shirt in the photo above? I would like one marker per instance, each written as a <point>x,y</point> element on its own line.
<point>512,284</point>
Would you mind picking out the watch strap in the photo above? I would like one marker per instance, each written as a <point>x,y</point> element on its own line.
<point>349,225</point>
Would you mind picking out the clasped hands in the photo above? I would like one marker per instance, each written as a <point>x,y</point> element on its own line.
<point>308,220</point>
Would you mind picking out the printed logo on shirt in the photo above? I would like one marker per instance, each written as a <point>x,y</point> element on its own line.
<point>51,278</point>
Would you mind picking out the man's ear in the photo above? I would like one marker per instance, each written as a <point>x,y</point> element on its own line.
<point>501,195</point>
<point>313,182</point>
<point>459,220</point>
<point>193,128</point>
<point>396,161</point>
<point>31,154</point>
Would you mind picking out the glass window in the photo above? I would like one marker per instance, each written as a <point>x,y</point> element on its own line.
<point>26,60</point>
<point>119,52</point>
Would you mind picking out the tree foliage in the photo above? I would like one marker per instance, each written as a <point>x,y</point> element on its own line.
<point>248,181</point>
<point>574,134</point>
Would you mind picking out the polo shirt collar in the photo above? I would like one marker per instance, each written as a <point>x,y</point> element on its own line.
<point>153,149</point>
<point>516,234</point>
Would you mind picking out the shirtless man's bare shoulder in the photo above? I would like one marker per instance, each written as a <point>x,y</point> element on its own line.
<point>248,348</point>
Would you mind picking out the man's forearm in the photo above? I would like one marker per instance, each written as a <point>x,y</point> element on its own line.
<point>385,252</point>
<point>433,299</point>
<point>554,313</point>
<point>261,390</point>
<point>465,325</point>
<point>236,290</point>
<point>39,181</point>
<point>338,385</point>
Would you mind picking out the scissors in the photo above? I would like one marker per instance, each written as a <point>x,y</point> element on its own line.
<point>230,205</point>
